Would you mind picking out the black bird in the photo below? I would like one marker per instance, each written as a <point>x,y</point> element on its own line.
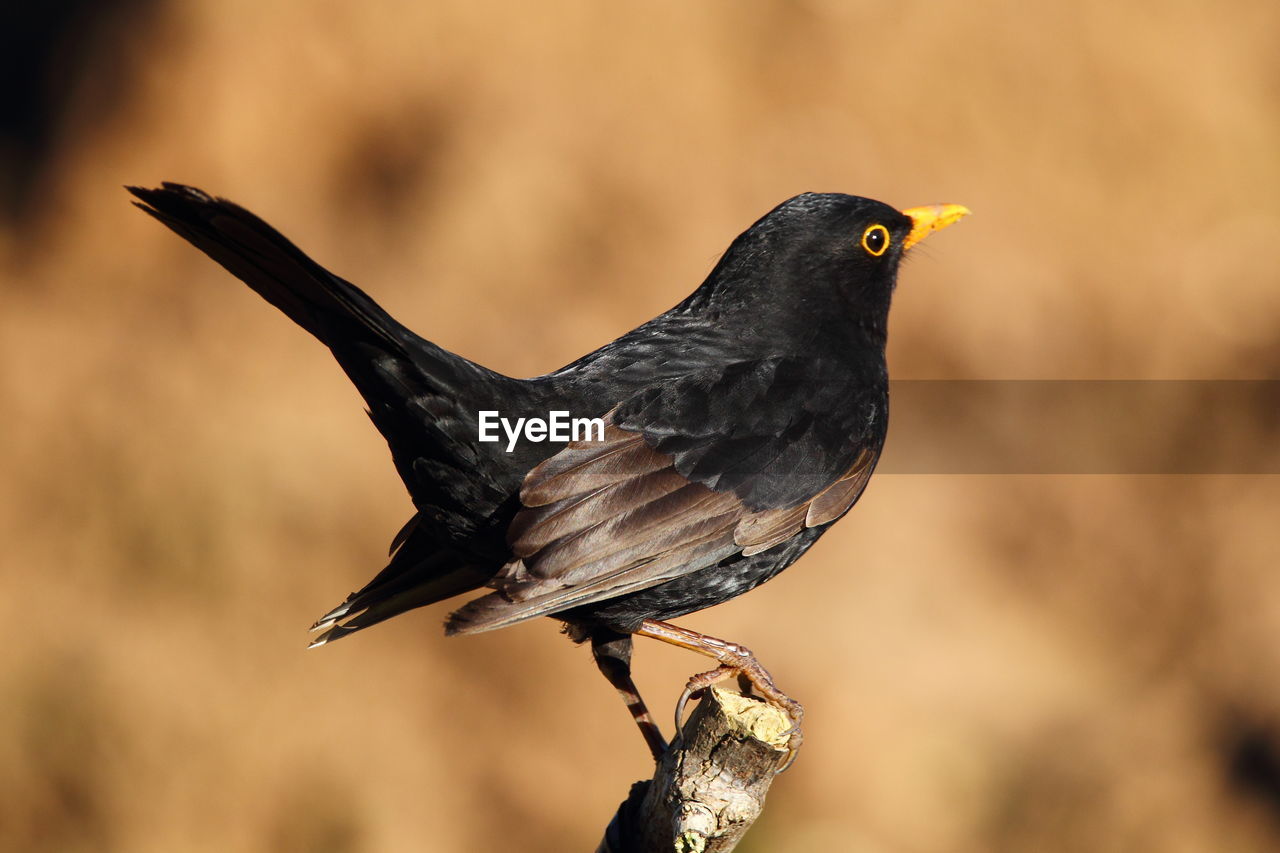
<point>738,426</point>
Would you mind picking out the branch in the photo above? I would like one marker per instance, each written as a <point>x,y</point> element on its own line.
<point>709,788</point>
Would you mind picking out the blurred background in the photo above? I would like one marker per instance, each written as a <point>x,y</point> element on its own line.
<point>990,663</point>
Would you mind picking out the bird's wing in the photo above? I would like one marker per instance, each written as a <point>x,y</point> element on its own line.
<point>654,501</point>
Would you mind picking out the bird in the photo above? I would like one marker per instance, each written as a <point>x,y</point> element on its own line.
<point>734,430</point>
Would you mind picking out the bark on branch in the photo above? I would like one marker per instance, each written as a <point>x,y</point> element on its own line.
<point>708,789</point>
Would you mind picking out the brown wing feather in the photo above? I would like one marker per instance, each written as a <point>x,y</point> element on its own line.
<point>760,531</point>
<point>498,609</point>
<point>534,528</point>
<point>838,498</point>
<point>588,465</point>
<point>657,525</point>
<point>602,519</point>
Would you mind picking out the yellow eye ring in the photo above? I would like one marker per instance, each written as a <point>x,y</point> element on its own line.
<point>875,240</point>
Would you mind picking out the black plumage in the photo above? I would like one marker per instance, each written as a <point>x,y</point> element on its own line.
<point>740,425</point>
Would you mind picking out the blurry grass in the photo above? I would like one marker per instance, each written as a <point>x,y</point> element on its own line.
<point>990,663</point>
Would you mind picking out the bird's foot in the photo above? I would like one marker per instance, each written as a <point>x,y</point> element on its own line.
<point>734,660</point>
<point>737,661</point>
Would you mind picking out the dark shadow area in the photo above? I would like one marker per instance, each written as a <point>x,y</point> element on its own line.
<point>1252,763</point>
<point>52,54</point>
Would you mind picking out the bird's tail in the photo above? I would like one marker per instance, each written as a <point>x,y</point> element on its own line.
<point>421,397</point>
<point>332,309</point>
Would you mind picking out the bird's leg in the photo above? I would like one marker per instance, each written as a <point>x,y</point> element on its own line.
<point>735,660</point>
<point>612,652</point>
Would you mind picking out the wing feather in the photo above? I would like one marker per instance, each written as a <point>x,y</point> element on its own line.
<point>586,466</point>
<point>762,530</point>
<point>644,531</point>
<point>838,498</point>
<point>534,528</point>
<point>497,610</point>
<point>634,533</point>
<point>603,519</point>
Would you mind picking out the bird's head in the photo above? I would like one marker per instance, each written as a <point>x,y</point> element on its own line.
<point>821,257</point>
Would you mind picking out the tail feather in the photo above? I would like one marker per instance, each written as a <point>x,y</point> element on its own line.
<point>422,398</point>
<point>414,589</point>
<point>324,304</point>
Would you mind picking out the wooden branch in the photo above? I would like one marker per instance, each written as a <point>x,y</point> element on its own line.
<point>708,789</point>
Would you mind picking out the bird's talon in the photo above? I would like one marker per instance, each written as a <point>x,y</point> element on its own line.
<point>680,705</point>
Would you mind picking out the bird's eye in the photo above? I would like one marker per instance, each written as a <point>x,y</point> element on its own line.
<point>875,240</point>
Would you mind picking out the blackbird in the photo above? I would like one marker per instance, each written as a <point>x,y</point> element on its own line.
<point>736,428</point>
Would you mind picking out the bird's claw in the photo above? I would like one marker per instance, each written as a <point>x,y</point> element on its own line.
<point>753,678</point>
<point>697,684</point>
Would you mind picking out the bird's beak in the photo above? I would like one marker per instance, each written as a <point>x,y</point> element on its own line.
<point>930,218</point>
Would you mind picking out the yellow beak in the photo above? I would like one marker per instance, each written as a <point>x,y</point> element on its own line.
<point>933,217</point>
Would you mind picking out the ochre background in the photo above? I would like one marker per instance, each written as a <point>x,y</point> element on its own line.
<point>991,663</point>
